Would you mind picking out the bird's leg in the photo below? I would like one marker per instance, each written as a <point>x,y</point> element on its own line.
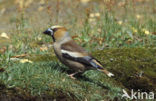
<point>76,74</point>
<point>72,75</point>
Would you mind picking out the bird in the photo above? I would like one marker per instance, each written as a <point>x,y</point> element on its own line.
<point>71,54</point>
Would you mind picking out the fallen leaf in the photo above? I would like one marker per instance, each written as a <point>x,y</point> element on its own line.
<point>84,1</point>
<point>99,30</point>
<point>4,35</point>
<point>92,15</point>
<point>120,22</point>
<point>44,48</point>
<point>25,61</point>
<point>146,31</point>
<point>97,14</point>
<point>138,16</point>
<point>154,33</point>
<point>75,36</point>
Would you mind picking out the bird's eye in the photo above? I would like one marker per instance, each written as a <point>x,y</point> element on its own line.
<point>55,29</point>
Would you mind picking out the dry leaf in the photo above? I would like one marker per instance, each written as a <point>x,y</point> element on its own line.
<point>75,36</point>
<point>19,56</point>
<point>120,22</point>
<point>25,61</point>
<point>99,30</point>
<point>146,31</point>
<point>138,16</point>
<point>92,15</point>
<point>4,35</point>
<point>44,48</point>
<point>84,1</point>
<point>154,33</point>
<point>97,14</point>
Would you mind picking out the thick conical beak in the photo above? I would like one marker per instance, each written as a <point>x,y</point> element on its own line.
<point>48,32</point>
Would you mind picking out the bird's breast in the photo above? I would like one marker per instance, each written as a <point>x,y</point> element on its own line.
<point>57,50</point>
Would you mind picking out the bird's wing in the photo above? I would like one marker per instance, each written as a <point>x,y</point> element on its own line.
<point>70,50</point>
<point>86,60</point>
<point>78,57</point>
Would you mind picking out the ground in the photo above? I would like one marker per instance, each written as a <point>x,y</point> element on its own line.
<point>121,34</point>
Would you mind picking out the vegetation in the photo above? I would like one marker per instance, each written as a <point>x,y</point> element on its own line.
<point>120,33</point>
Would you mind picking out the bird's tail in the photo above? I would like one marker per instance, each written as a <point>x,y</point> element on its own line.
<point>95,63</point>
<point>106,72</point>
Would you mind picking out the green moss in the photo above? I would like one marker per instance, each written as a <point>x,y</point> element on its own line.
<point>135,68</point>
<point>36,44</point>
<point>41,58</point>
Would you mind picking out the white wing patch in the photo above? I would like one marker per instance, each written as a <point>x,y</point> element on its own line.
<point>73,54</point>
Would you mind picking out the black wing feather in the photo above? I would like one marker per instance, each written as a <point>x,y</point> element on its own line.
<point>86,60</point>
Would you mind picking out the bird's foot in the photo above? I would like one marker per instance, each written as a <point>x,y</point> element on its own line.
<point>72,75</point>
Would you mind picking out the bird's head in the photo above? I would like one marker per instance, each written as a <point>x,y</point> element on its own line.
<point>58,33</point>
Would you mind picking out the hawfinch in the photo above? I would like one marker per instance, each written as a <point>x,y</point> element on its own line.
<point>71,54</point>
